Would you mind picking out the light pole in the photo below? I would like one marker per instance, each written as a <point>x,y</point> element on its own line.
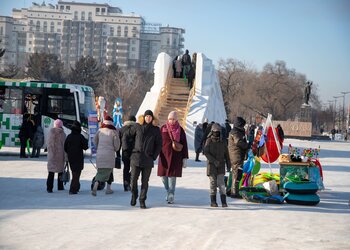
<point>333,113</point>
<point>347,118</point>
<point>335,98</point>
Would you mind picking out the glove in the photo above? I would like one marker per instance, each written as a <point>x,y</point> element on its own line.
<point>217,163</point>
<point>184,163</point>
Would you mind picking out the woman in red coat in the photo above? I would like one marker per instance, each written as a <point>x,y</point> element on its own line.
<point>171,162</point>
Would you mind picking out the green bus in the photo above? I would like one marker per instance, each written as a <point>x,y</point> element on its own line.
<point>44,102</point>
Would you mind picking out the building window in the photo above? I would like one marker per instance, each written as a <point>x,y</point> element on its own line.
<point>30,42</point>
<point>75,15</point>
<point>67,7</point>
<point>37,27</point>
<point>62,7</point>
<point>126,31</point>
<point>58,30</point>
<point>45,26</point>
<point>59,23</point>
<point>52,27</point>
<point>168,41</point>
<point>83,15</point>
<point>97,9</point>
<point>111,31</point>
<point>1,30</point>
<point>119,31</point>
<point>31,22</point>
<point>90,16</point>
<point>133,49</point>
<point>103,10</point>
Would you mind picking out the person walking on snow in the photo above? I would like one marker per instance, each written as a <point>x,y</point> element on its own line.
<point>128,142</point>
<point>215,150</point>
<point>55,155</point>
<point>148,144</point>
<point>171,162</point>
<point>107,144</point>
<point>74,146</point>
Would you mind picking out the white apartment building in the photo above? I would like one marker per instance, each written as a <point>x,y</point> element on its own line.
<point>74,29</point>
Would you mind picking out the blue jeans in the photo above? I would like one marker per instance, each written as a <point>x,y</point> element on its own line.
<point>169,184</point>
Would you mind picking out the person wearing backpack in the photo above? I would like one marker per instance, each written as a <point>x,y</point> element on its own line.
<point>74,146</point>
<point>128,141</point>
<point>38,142</point>
<point>186,63</point>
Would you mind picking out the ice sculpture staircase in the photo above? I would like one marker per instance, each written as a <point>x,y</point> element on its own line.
<point>176,99</point>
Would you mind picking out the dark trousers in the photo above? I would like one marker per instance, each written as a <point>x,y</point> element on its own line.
<point>23,146</point>
<point>126,172</point>
<point>145,174</point>
<point>35,152</point>
<point>75,183</point>
<point>49,181</point>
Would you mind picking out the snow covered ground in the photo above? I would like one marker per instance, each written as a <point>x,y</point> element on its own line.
<point>31,218</point>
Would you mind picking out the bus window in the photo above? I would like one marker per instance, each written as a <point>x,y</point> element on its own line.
<point>11,100</point>
<point>86,108</point>
<point>62,108</point>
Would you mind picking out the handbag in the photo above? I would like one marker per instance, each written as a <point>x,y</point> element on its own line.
<point>118,162</point>
<point>65,177</point>
<point>177,146</point>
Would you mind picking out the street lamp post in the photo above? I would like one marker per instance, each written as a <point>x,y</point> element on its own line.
<point>347,119</point>
<point>333,113</point>
<point>335,98</point>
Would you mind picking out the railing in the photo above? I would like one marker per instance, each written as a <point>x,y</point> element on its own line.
<point>163,94</point>
<point>189,103</point>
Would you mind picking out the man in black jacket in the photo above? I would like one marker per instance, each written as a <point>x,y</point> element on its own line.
<point>128,142</point>
<point>148,144</point>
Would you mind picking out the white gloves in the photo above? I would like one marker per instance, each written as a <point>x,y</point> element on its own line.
<point>184,163</point>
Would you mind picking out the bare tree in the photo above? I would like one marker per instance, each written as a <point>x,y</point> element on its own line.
<point>128,85</point>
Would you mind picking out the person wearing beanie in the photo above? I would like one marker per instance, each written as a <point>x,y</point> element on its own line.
<point>58,123</point>
<point>128,133</point>
<point>172,161</point>
<point>74,146</point>
<point>215,150</point>
<point>147,146</point>
<point>107,141</point>
<point>55,155</point>
<point>237,147</point>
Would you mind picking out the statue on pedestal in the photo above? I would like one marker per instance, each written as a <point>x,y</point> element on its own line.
<point>307,92</point>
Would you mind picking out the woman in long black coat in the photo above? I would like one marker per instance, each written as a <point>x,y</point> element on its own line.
<point>74,146</point>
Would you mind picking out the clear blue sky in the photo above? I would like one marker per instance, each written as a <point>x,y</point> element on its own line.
<point>311,36</point>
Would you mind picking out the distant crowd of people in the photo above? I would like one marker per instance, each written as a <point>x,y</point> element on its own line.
<point>185,67</point>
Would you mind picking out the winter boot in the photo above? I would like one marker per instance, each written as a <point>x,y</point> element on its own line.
<point>197,157</point>
<point>133,200</point>
<point>109,190</point>
<point>127,187</point>
<point>170,198</point>
<point>213,200</point>
<point>143,205</point>
<point>94,189</point>
<point>223,200</point>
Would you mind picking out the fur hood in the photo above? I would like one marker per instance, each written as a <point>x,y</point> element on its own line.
<point>141,120</point>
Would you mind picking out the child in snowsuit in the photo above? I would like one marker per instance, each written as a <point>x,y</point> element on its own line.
<point>38,142</point>
<point>215,150</point>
